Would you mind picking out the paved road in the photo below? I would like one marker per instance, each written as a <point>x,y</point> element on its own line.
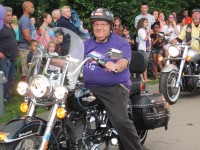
<point>184,127</point>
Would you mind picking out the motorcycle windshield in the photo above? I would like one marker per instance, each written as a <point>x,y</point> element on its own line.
<point>72,47</point>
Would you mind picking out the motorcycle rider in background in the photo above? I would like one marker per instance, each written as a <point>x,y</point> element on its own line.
<point>111,83</point>
<point>194,31</point>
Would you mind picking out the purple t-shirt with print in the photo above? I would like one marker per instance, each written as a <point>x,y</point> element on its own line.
<point>95,75</point>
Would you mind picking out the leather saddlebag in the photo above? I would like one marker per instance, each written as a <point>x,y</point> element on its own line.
<point>150,111</point>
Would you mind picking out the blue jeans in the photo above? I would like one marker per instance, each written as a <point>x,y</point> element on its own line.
<point>11,74</point>
<point>5,66</point>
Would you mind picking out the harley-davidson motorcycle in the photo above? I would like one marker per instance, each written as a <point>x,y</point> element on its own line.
<point>181,72</point>
<point>76,118</point>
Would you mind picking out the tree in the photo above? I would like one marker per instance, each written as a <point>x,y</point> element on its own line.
<point>126,10</point>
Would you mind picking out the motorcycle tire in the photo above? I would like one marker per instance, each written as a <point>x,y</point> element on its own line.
<point>167,86</point>
<point>143,135</point>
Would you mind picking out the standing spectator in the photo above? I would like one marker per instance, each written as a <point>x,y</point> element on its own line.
<point>64,20</point>
<point>144,14</point>
<point>15,26</point>
<point>170,30</point>
<point>157,45</point>
<point>118,26</point>
<point>8,52</point>
<point>25,32</point>
<point>180,22</point>
<point>126,35</point>
<point>155,14</point>
<point>144,40</point>
<point>56,14</point>
<point>58,41</point>
<point>161,19</point>
<point>34,31</point>
<point>44,28</point>
<point>32,46</point>
<point>188,19</point>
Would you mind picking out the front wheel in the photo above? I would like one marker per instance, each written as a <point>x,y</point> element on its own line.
<point>167,86</point>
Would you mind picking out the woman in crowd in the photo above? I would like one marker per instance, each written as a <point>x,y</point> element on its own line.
<point>157,45</point>
<point>144,40</point>
<point>118,26</point>
<point>44,28</point>
<point>155,14</point>
<point>15,26</point>
<point>170,30</point>
<point>161,19</point>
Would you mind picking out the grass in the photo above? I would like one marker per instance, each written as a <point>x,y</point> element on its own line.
<point>12,110</point>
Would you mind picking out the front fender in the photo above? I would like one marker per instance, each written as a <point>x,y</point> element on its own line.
<point>169,68</point>
<point>23,127</point>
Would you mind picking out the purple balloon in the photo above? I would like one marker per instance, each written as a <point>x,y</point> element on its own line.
<point>1,24</point>
<point>2,12</point>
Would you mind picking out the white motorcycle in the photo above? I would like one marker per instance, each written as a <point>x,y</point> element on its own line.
<point>181,72</point>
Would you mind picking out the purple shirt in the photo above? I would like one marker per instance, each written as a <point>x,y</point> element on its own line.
<point>95,75</point>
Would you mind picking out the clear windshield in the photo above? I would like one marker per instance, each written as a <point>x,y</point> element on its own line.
<point>72,46</point>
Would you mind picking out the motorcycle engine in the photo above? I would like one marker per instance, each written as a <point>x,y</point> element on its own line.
<point>193,83</point>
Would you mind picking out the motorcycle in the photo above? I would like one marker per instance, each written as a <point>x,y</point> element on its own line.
<point>76,120</point>
<point>181,72</point>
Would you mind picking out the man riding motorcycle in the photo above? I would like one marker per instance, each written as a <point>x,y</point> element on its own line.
<point>191,31</point>
<point>111,84</point>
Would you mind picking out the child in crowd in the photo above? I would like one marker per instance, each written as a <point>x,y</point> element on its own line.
<point>157,45</point>
<point>126,35</point>
<point>58,40</point>
<point>32,46</point>
<point>51,49</point>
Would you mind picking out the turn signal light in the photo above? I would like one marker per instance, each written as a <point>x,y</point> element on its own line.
<point>24,107</point>
<point>61,112</point>
<point>2,136</point>
<point>188,58</point>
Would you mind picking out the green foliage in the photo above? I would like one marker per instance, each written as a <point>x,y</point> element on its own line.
<point>126,10</point>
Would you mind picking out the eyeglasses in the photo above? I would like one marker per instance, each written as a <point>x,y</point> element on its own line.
<point>102,25</point>
<point>155,27</point>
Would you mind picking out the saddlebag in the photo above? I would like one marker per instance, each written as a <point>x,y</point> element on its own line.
<point>150,111</point>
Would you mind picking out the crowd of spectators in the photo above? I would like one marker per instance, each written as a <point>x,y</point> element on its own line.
<point>147,39</point>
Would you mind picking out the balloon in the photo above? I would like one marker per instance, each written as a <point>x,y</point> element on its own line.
<point>188,20</point>
<point>2,12</point>
<point>1,24</point>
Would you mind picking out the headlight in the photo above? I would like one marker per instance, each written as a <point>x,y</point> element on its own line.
<point>22,88</point>
<point>174,51</point>
<point>60,92</point>
<point>40,86</point>
<point>192,55</point>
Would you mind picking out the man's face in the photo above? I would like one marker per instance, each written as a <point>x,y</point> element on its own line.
<point>101,29</point>
<point>8,17</point>
<point>30,8</point>
<point>196,17</point>
<point>59,39</point>
<point>68,13</point>
<point>144,9</point>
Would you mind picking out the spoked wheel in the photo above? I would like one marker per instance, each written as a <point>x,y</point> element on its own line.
<point>143,135</point>
<point>168,87</point>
